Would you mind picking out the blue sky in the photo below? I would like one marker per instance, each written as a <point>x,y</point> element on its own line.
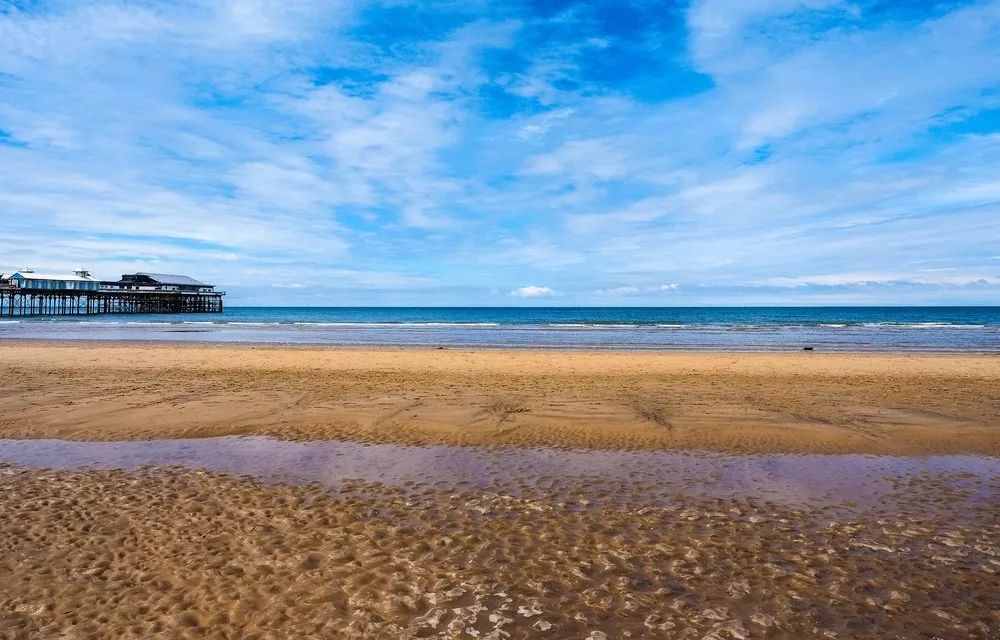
<point>498,153</point>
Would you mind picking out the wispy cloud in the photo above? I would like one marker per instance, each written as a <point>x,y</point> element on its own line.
<point>866,279</point>
<point>626,290</point>
<point>633,290</point>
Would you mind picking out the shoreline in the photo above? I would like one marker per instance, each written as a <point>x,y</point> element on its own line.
<point>383,346</point>
<point>944,330</point>
<point>737,402</point>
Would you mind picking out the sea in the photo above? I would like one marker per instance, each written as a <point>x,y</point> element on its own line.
<point>910,329</point>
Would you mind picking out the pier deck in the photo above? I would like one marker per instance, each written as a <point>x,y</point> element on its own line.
<point>19,301</point>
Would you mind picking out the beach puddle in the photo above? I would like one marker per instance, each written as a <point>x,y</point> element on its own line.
<point>867,482</point>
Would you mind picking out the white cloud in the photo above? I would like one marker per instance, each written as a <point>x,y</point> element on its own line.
<point>868,279</point>
<point>719,28</point>
<point>532,291</point>
<point>538,125</point>
<point>584,160</point>
<point>633,290</point>
<point>907,76</point>
<point>627,290</point>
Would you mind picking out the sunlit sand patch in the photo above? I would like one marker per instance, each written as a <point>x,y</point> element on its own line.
<point>762,403</point>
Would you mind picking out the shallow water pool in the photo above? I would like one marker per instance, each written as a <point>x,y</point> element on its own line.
<point>880,483</point>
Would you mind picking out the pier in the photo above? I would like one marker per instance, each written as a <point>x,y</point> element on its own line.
<point>26,293</point>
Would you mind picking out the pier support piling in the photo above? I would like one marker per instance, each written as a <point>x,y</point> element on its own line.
<point>15,301</point>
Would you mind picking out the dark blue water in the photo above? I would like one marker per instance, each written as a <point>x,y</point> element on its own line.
<point>756,328</point>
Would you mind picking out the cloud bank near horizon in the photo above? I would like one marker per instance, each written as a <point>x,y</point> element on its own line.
<point>711,152</point>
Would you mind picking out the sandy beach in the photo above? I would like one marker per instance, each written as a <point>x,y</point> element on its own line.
<point>508,541</point>
<point>805,402</point>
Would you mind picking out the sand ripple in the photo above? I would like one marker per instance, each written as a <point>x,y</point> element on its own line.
<point>802,402</point>
<point>181,554</point>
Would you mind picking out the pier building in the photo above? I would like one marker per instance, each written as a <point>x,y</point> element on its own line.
<point>27,293</point>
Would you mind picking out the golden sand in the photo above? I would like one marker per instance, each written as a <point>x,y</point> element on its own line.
<point>745,402</point>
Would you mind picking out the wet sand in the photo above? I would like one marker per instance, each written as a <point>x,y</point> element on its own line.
<point>806,402</point>
<point>180,554</point>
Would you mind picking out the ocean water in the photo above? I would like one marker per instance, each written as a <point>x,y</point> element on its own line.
<point>964,329</point>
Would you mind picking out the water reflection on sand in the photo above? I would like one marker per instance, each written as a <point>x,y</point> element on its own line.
<point>864,481</point>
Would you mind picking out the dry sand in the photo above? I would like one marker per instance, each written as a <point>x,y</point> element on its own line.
<point>167,554</point>
<point>759,402</point>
